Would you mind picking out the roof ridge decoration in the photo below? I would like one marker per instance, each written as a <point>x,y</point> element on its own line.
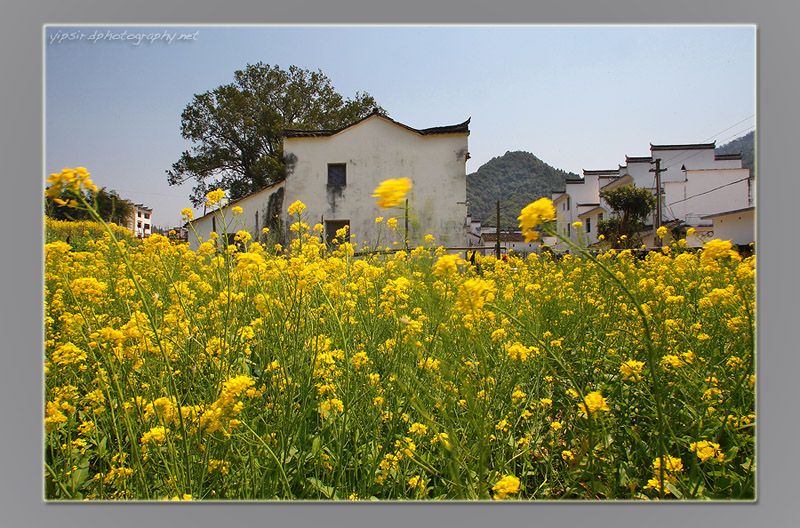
<point>603,172</point>
<point>461,128</point>
<point>691,146</point>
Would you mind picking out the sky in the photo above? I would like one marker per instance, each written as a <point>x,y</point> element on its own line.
<point>577,97</point>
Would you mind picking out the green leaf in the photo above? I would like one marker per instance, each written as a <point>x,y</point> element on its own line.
<point>326,491</point>
<point>675,491</point>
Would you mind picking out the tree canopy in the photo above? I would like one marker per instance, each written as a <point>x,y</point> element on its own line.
<point>238,128</point>
<point>631,206</point>
<point>109,205</point>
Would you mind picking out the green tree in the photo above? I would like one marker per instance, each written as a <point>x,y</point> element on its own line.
<point>110,206</point>
<point>631,206</point>
<point>238,128</point>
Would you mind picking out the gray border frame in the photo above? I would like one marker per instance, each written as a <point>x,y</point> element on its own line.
<point>21,328</point>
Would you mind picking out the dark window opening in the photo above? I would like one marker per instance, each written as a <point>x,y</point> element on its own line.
<point>331,227</point>
<point>337,175</point>
<point>588,225</point>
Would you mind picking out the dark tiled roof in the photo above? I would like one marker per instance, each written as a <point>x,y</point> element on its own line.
<point>574,180</point>
<point>728,156</point>
<point>638,159</point>
<point>587,204</point>
<point>234,202</point>
<point>694,146</point>
<point>461,128</point>
<point>725,213</point>
<point>504,237</point>
<point>607,172</point>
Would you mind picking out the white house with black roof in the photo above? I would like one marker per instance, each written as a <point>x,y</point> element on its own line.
<point>698,189</point>
<point>335,172</point>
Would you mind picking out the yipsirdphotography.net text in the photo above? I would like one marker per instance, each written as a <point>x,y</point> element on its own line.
<point>122,35</point>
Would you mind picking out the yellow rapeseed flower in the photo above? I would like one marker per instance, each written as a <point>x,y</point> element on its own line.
<point>715,250</point>
<point>631,369</point>
<point>214,197</point>
<point>507,485</point>
<point>391,193</point>
<point>296,208</point>
<point>74,180</point>
<point>594,402</point>
<point>536,213</point>
<point>707,450</point>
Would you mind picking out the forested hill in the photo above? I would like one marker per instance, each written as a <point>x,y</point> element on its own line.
<point>516,179</point>
<point>745,145</point>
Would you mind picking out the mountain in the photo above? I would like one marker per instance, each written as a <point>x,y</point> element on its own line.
<point>744,145</point>
<point>516,179</point>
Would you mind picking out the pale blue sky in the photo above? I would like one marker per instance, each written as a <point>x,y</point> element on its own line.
<point>578,97</point>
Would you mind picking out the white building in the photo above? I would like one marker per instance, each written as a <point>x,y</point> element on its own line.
<point>509,243</point>
<point>335,172</point>
<point>140,222</point>
<point>696,186</point>
<point>736,226</point>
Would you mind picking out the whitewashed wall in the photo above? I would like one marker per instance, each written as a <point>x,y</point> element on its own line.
<point>739,228</point>
<point>706,192</point>
<point>252,219</point>
<point>375,150</point>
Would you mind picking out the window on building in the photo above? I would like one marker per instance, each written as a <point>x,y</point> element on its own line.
<point>332,227</point>
<point>139,214</point>
<point>337,175</point>
<point>147,216</point>
<point>569,231</point>
<point>588,225</point>
<point>568,206</point>
<point>146,227</point>
<point>139,225</point>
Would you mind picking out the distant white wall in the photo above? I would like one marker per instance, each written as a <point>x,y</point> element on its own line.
<point>739,228</point>
<point>253,218</point>
<point>706,192</point>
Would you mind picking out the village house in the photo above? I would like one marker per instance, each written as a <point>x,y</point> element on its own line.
<point>699,189</point>
<point>510,243</point>
<point>140,221</point>
<point>335,172</point>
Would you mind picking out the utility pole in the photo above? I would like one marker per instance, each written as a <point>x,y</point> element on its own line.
<point>658,170</point>
<point>497,243</point>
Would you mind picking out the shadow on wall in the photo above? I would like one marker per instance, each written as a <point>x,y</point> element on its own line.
<point>272,218</point>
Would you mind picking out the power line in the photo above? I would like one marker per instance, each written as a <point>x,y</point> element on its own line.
<point>717,134</point>
<point>710,190</point>
<point>151,193</point>
<point>730,127</point>
<point>700,151</point>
